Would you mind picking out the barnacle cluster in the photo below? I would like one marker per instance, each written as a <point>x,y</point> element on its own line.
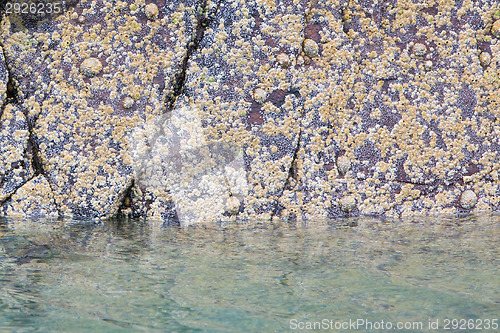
<point>339,107</point>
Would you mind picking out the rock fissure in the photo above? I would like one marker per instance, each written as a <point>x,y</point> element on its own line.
<point>203,21</point>
<point>180,77</point>
<point>10,98</point>
<point>32,148</point>
<point>291,173</point>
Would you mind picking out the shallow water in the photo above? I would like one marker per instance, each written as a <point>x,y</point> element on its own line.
<point>128,276</point>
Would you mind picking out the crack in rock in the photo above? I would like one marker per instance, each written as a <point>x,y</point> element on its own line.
<point>81,117</point>
<point>15,163</point>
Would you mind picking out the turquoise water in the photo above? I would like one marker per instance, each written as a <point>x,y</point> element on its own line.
<point>135,276</point>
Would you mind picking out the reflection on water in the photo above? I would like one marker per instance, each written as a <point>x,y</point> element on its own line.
<point>244,277</point>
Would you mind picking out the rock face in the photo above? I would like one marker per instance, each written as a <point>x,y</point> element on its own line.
<point>34,198</point>
<point>15,165</point>
<point>73,74</point>
<point>340,108</point>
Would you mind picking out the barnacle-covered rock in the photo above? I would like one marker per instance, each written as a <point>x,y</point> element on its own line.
<point>391,103</point>
<point>182,163</point>
<point>244,96</point>
<point>4,78</point>
<point>34,199</point>
<point>76,74</point>
<point>152,202</point>
<point>325,83</point>
<point>410,124</point>
<point>15,155</point>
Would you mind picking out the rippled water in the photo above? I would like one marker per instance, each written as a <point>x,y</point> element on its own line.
<point>128,276</point>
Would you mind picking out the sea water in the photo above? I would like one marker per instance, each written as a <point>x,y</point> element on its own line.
<point>358,274</point>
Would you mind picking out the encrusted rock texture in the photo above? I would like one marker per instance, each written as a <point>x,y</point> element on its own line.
<point>340,108</point>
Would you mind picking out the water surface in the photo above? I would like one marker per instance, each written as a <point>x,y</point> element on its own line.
<point>129,276</point>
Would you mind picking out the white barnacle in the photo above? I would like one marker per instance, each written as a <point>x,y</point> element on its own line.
<point>260,95</point>
<point>485,59</point>
<point>468,199</point>
<point>91,67</point>
<point>428,65</point>
<point>347,203</point>
<point>419,49</point>
<point>128,102</point>
<point>343,164</point>
<point>232,205</point>
<point>151,11</point>
<point>311,48</point>
<point>283,60</point>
